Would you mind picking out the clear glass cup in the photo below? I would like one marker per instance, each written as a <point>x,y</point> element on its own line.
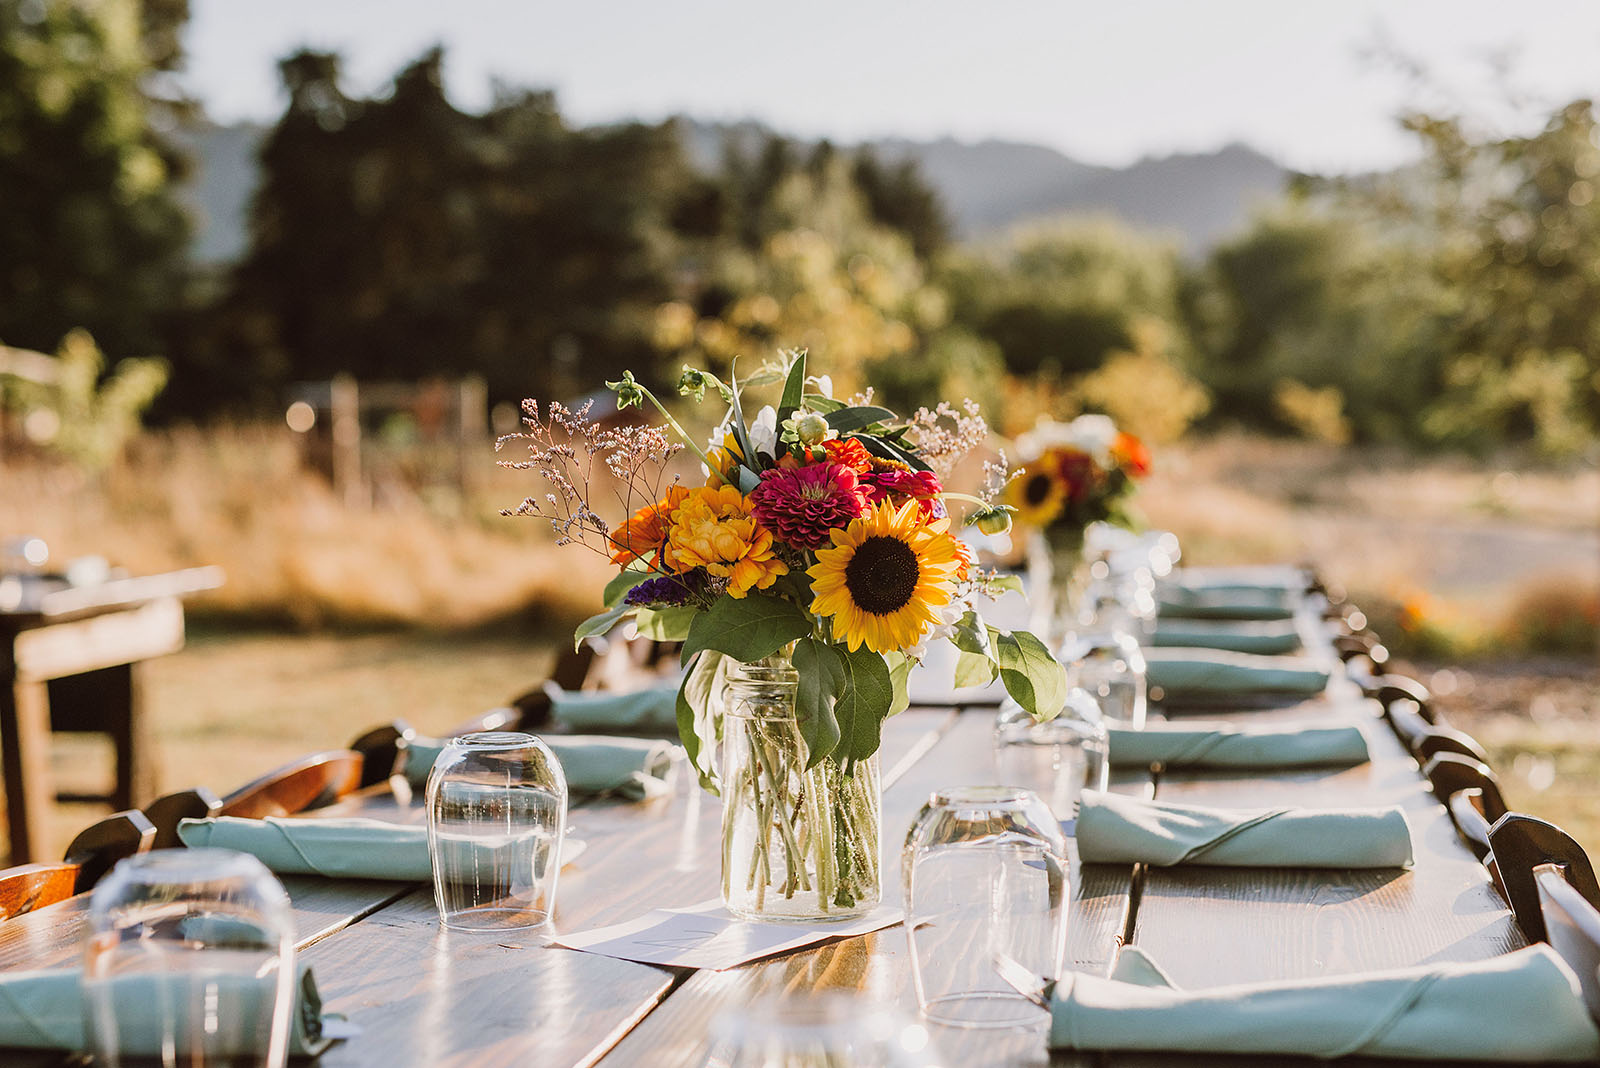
<point>1058,759</point>
<point>497,811</point>
<point>986,875</point>
<point>832,1030</point>
<point>1110,666</point>
<point>189,962</point>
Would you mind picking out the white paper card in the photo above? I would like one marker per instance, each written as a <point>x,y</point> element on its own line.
<point>709,936</point>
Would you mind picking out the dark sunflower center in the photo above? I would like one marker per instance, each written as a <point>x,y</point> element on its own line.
<point>1036,490</point>
<point>882,575</point>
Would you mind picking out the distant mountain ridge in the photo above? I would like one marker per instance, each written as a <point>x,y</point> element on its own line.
<point>987,186</point>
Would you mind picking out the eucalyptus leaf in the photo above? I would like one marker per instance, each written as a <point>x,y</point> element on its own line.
<point>665,624</point>
<point>856,418</point>
<point>821,677</point>
<point>1031,675</point>
<point>747,628</point>
<point>973,670</point>
<point>699,718</point>
<point>600,624</point>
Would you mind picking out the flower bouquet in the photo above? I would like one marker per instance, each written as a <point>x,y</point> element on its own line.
<point>1075,474</point>
<point>805,579</point>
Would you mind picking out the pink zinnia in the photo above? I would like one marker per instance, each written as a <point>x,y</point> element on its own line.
<point>921,486</point>
<point>801,504</point>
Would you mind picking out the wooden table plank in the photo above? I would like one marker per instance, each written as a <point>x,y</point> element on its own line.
<point>878,965</point>
<point>1210,925</point>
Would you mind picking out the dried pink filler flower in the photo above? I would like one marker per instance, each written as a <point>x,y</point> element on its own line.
<point>801,504</point>
<point>921,486</point>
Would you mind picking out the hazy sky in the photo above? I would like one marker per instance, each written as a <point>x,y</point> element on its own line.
<point>1107,83</point>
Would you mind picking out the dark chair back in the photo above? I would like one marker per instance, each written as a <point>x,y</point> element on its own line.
<point>1350,646</point>
<point>1387,689</point>
<point>33,886</point>
<point>1522,844</point>
<point>165,813</point>
<point>1572,926</point>
<point>380,751</point>
<point>310,782</point>
<point>1471,793</point>
<point>97,849</point>
<point>1439,739</point>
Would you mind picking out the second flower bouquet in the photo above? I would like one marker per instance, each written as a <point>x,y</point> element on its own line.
<point>805,579</point>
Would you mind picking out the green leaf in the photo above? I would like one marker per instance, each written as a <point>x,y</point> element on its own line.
<point>821,679</point>
<point>618,587</point>
<point>741,432</point>
<point>972,635</point>
<point>818,403</point>
<point>1007,584</point>
<point>794,388</point>
<point>600,624</point>
<point>748,628</point>
<point>863,704</point>
<point>700,714</point>
<point>857,418</point>
<point>889,451</point>
<point>665,624</point>
<point>1031,675</point>
<point>973,669</point>
<point>900,667</point>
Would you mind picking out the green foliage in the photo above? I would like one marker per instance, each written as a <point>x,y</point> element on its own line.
<point>93,236</point>
<point>91,416</point>
<point>748,628</point>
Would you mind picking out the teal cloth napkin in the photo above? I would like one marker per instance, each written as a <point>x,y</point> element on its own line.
<point>1237,747</point>
<point>1200,672</point>
<point>1115,829</point>
<point>1231,593</point>
<point>350,848</point>
<point>1523,1006</point>
<point>596,765</point>
<point>45,1010</point>
<point>1237,636</point>
<point>652,711</point>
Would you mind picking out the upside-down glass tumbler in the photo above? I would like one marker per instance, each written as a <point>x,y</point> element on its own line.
<point>189,962</point>
<point>497,811</point>
<point>1058,759</point>
<point>985,872</point>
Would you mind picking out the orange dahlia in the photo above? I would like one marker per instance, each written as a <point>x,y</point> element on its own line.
<point>645,532</point>
<point>714,529</point>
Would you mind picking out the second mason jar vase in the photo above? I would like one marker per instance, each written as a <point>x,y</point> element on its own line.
<point>798,843</point>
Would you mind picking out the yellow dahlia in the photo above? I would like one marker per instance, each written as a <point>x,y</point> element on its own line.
<point>713,529</point>
<point>884,577</point>
<point>1037,495</point>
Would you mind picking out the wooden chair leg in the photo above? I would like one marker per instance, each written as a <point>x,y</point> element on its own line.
<point>25,739</point>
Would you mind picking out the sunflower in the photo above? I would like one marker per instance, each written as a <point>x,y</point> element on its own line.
<point>884,578</point>
<point>1038,496</point>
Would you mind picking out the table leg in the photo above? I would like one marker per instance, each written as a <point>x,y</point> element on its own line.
<point>25,741</point>
<point>135,768</point>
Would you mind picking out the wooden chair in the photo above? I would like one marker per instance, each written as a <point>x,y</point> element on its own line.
<point>95,851</point>
<point>310,782</point>
<point>1387,689</point>
<point>1523,845</point>
<point>380,751</point>
<point>166,812</point>
<point>1351,646</point>
<point>27,887</point>
<point>1471,793</point>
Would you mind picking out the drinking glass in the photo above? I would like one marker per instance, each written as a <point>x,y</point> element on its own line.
<point>1110,666</point>
<point>985,872</point>
<point>1057,759</point>
<point>819,1031</point>
<point>189,962</point>
<point>497,811</point>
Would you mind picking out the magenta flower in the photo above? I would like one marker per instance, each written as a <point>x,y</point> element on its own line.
<point>897,485</point>
<point>801,504</point>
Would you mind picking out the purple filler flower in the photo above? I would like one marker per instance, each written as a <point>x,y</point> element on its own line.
<point>666,590</point>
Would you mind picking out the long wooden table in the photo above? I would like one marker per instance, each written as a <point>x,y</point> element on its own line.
<point>426,996</point>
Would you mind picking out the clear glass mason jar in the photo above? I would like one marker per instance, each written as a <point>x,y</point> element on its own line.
<point>1058,579</point>
<point>1109,665</point>
<point>1058,759</point>
<point>798,843</point>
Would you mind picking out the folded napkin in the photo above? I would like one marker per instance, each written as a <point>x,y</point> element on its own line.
<point>1237,747</point>
<point>1200,672</point>
<point>1242,593</point>
<point>351,848</point>
<point>1238,636</point>
<point>1523,1006</point>
<point>1115,829</point>
<point>45,1010</point>
<point>652,711</point>
<point>595,765</point>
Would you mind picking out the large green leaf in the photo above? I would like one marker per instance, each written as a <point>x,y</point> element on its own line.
<point>699,720</point>
<point>1031,675</point>
<point>821,679</point>
<point>972,635</point>
<point>900,667</point>
<point>973,669</point>
<point>740,432</point>
<point>665,624</point>
<point>794,388</point>
<point>600,624</point>
<point>618,587</point>
<point>818,403</point>
<point>864,702</point>
<point>747,628</point>
<point>856,418</point>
